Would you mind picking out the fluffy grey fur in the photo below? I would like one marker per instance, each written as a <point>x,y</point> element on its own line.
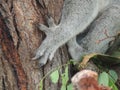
<point>101,16</point>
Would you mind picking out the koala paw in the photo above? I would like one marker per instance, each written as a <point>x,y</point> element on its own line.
<point>49,46</point>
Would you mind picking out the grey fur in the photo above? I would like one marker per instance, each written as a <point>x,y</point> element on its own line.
<point>77,15</point>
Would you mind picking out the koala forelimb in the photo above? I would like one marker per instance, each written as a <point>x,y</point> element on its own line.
<point>77,15</point>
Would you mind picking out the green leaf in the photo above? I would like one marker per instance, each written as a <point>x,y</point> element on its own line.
<point>65,77</point>
<point>112,85</point>
<point>63,87</point>
<point>70,87</point>
<point>103,79</point>
<point>41,85</point>
<point>113,75</point>
<point>66,74</point>
<point>74,62</point>
<point>116,54</point>
<point>54,76</point>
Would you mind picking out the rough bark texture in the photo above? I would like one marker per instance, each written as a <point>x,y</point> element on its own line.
<point>19,38</point>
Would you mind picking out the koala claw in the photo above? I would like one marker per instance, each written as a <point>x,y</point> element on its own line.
<point>34,58</point>
<point>43,28</point>
<point>50,21</point>
<point>41,64</point>
<point>43,59</point>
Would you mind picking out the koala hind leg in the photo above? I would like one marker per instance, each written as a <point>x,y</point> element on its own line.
<point>75,49</point>
<point>102,31</point>
<point>99,35</point>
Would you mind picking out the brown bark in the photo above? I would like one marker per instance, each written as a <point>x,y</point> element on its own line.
<point>19,38</point>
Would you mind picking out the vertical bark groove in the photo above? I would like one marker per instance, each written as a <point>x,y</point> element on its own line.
<point>11,55</point>
<point>9,50</point>
<point>19,38</point>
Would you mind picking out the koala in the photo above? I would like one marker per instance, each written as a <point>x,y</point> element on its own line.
<point>87,26</point>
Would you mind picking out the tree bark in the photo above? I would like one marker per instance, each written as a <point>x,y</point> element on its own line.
<point>19,38</point>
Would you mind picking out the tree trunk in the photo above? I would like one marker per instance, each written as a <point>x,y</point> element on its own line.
<point>19,38</point>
